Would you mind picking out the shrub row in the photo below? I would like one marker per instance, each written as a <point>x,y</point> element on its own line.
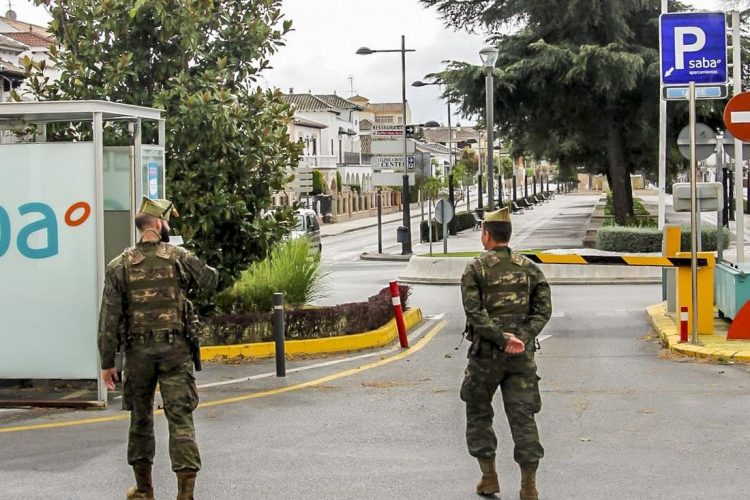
<point>464,220</point>
<point>308,323</point>
<point>646,239</point>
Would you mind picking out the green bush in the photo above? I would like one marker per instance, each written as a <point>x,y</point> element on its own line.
<point>464,220</point>
<point>647,239</point>
<point>304,323</point>
<point>641,216</point>
<point>628,239</point>
<point>318,183</point>
<point>290,270</point>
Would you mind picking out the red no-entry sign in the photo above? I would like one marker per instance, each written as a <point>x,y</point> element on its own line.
<point>737,116</point>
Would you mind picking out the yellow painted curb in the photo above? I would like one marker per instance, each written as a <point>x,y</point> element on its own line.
<point>714,346</point>
<point>328,345</point>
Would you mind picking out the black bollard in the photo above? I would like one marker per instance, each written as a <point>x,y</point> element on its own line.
<point>278,333</point>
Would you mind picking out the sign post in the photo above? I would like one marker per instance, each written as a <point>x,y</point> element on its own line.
<point>693,53</point>
<point>444,214</point>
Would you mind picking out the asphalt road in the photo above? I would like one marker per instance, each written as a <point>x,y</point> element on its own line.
<point>619,421</point>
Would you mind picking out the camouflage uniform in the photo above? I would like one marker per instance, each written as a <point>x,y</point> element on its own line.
<point>503,292</point>
<point>142,308</point>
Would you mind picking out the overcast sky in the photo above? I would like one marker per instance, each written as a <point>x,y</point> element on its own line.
<point>319,55</point>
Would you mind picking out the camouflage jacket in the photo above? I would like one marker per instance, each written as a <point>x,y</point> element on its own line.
<point>114,314</point>
<point>503,291</point>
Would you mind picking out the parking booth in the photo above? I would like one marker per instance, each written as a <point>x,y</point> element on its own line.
<point>66,209</point>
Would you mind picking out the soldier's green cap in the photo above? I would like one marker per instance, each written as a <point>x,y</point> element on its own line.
<point>502,215</point>
<point>161,209</point>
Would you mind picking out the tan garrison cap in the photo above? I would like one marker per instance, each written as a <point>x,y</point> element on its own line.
<point>502,215</point>
<point>161,209</point>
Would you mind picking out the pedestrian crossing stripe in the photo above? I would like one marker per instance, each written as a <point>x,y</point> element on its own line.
<point>612,260</point>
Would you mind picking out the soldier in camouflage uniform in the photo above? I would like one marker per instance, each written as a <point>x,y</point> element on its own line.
<point>143,308</point>
<point>507,302</point>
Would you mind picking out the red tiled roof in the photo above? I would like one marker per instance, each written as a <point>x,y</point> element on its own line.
<point>307,102</point>
<point>30,39</point>
<point>9,43</point>
<point>26,27</point>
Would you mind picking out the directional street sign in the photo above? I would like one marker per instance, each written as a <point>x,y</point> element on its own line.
<point>737,116</point>
<point>392,148</point>
<point>411,131</point>
<point>392,162</point>
<point>693,48</point>
<point>380,130</point>
<point>707,92</point>
<point>390,179</point>
<point>303,180</point>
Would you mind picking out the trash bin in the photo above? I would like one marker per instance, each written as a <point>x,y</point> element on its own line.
<point>402,234</point>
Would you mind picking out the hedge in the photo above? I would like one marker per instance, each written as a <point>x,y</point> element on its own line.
<point>309,323</point>
<point>464,220</point>
<point>647,239</point>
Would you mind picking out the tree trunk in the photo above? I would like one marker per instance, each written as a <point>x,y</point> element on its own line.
<point>619,175</point>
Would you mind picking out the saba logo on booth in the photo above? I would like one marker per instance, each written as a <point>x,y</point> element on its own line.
<point>76,214</point>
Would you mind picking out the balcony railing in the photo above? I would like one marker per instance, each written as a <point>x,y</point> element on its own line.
<point>318,161</point>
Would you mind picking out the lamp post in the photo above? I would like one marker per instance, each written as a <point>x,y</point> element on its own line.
<point>451,200</point>
<point>489,58</point>
<point>364,51</point>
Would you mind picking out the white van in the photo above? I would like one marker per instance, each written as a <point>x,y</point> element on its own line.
<point>306,224</point>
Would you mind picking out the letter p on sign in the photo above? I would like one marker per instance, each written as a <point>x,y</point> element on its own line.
<point>681,47</point>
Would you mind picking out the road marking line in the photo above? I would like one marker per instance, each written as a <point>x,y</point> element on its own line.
<point>542,338</point>
<point>416,334</point>
<point>256,395</point>
<point>558,314</point>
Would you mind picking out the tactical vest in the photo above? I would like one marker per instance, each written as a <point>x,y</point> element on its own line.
<point>505,290</point>
<point>153,290</point>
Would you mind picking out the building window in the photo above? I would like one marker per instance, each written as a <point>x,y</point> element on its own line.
<point>399,120</point>
<point>315,146</point>
<point>332,152</point>
<point>384,119</point>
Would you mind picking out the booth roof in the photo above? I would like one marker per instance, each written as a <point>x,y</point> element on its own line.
<point>74,111</point>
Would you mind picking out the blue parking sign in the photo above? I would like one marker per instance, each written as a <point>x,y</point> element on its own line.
<point>693,48</point>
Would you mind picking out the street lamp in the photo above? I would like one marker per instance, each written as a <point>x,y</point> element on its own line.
<point>489,58</point>
<point>365,51</point>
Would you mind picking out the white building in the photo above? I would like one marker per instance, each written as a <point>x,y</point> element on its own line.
<point>329,127</point>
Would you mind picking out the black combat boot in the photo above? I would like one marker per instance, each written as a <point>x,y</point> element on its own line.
<point>144,487</point>
<point>489,484</point>
<point>528,483</point>
<point>185,485</point>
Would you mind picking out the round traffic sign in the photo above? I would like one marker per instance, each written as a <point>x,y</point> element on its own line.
<point>705,141</point>
<point>737,116</point>
<point>443,211</point>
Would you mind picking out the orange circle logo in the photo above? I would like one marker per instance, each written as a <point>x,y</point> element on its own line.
<point>75,207</point>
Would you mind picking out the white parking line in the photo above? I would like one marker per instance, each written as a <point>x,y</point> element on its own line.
<point>542,338</point>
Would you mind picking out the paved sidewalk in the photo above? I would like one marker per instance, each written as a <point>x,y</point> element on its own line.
<point>715,347</point>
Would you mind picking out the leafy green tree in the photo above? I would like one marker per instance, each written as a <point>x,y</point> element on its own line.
<point>318,182</point>
<point>431,188</point>
<point>470,161</point>
<point>228,148</point>
<point>576,82</point>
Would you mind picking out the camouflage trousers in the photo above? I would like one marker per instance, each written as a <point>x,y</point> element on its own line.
<point>169,364</point>
<point>519,384</point>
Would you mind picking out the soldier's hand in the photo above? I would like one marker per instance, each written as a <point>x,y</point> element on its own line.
<point>110,377</point>
<point>514,345</point>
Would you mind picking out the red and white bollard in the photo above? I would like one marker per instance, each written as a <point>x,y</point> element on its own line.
<point>399,313</point>
<point>683,324</point>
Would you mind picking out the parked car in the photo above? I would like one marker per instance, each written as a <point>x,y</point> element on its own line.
<point>306,224</point>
